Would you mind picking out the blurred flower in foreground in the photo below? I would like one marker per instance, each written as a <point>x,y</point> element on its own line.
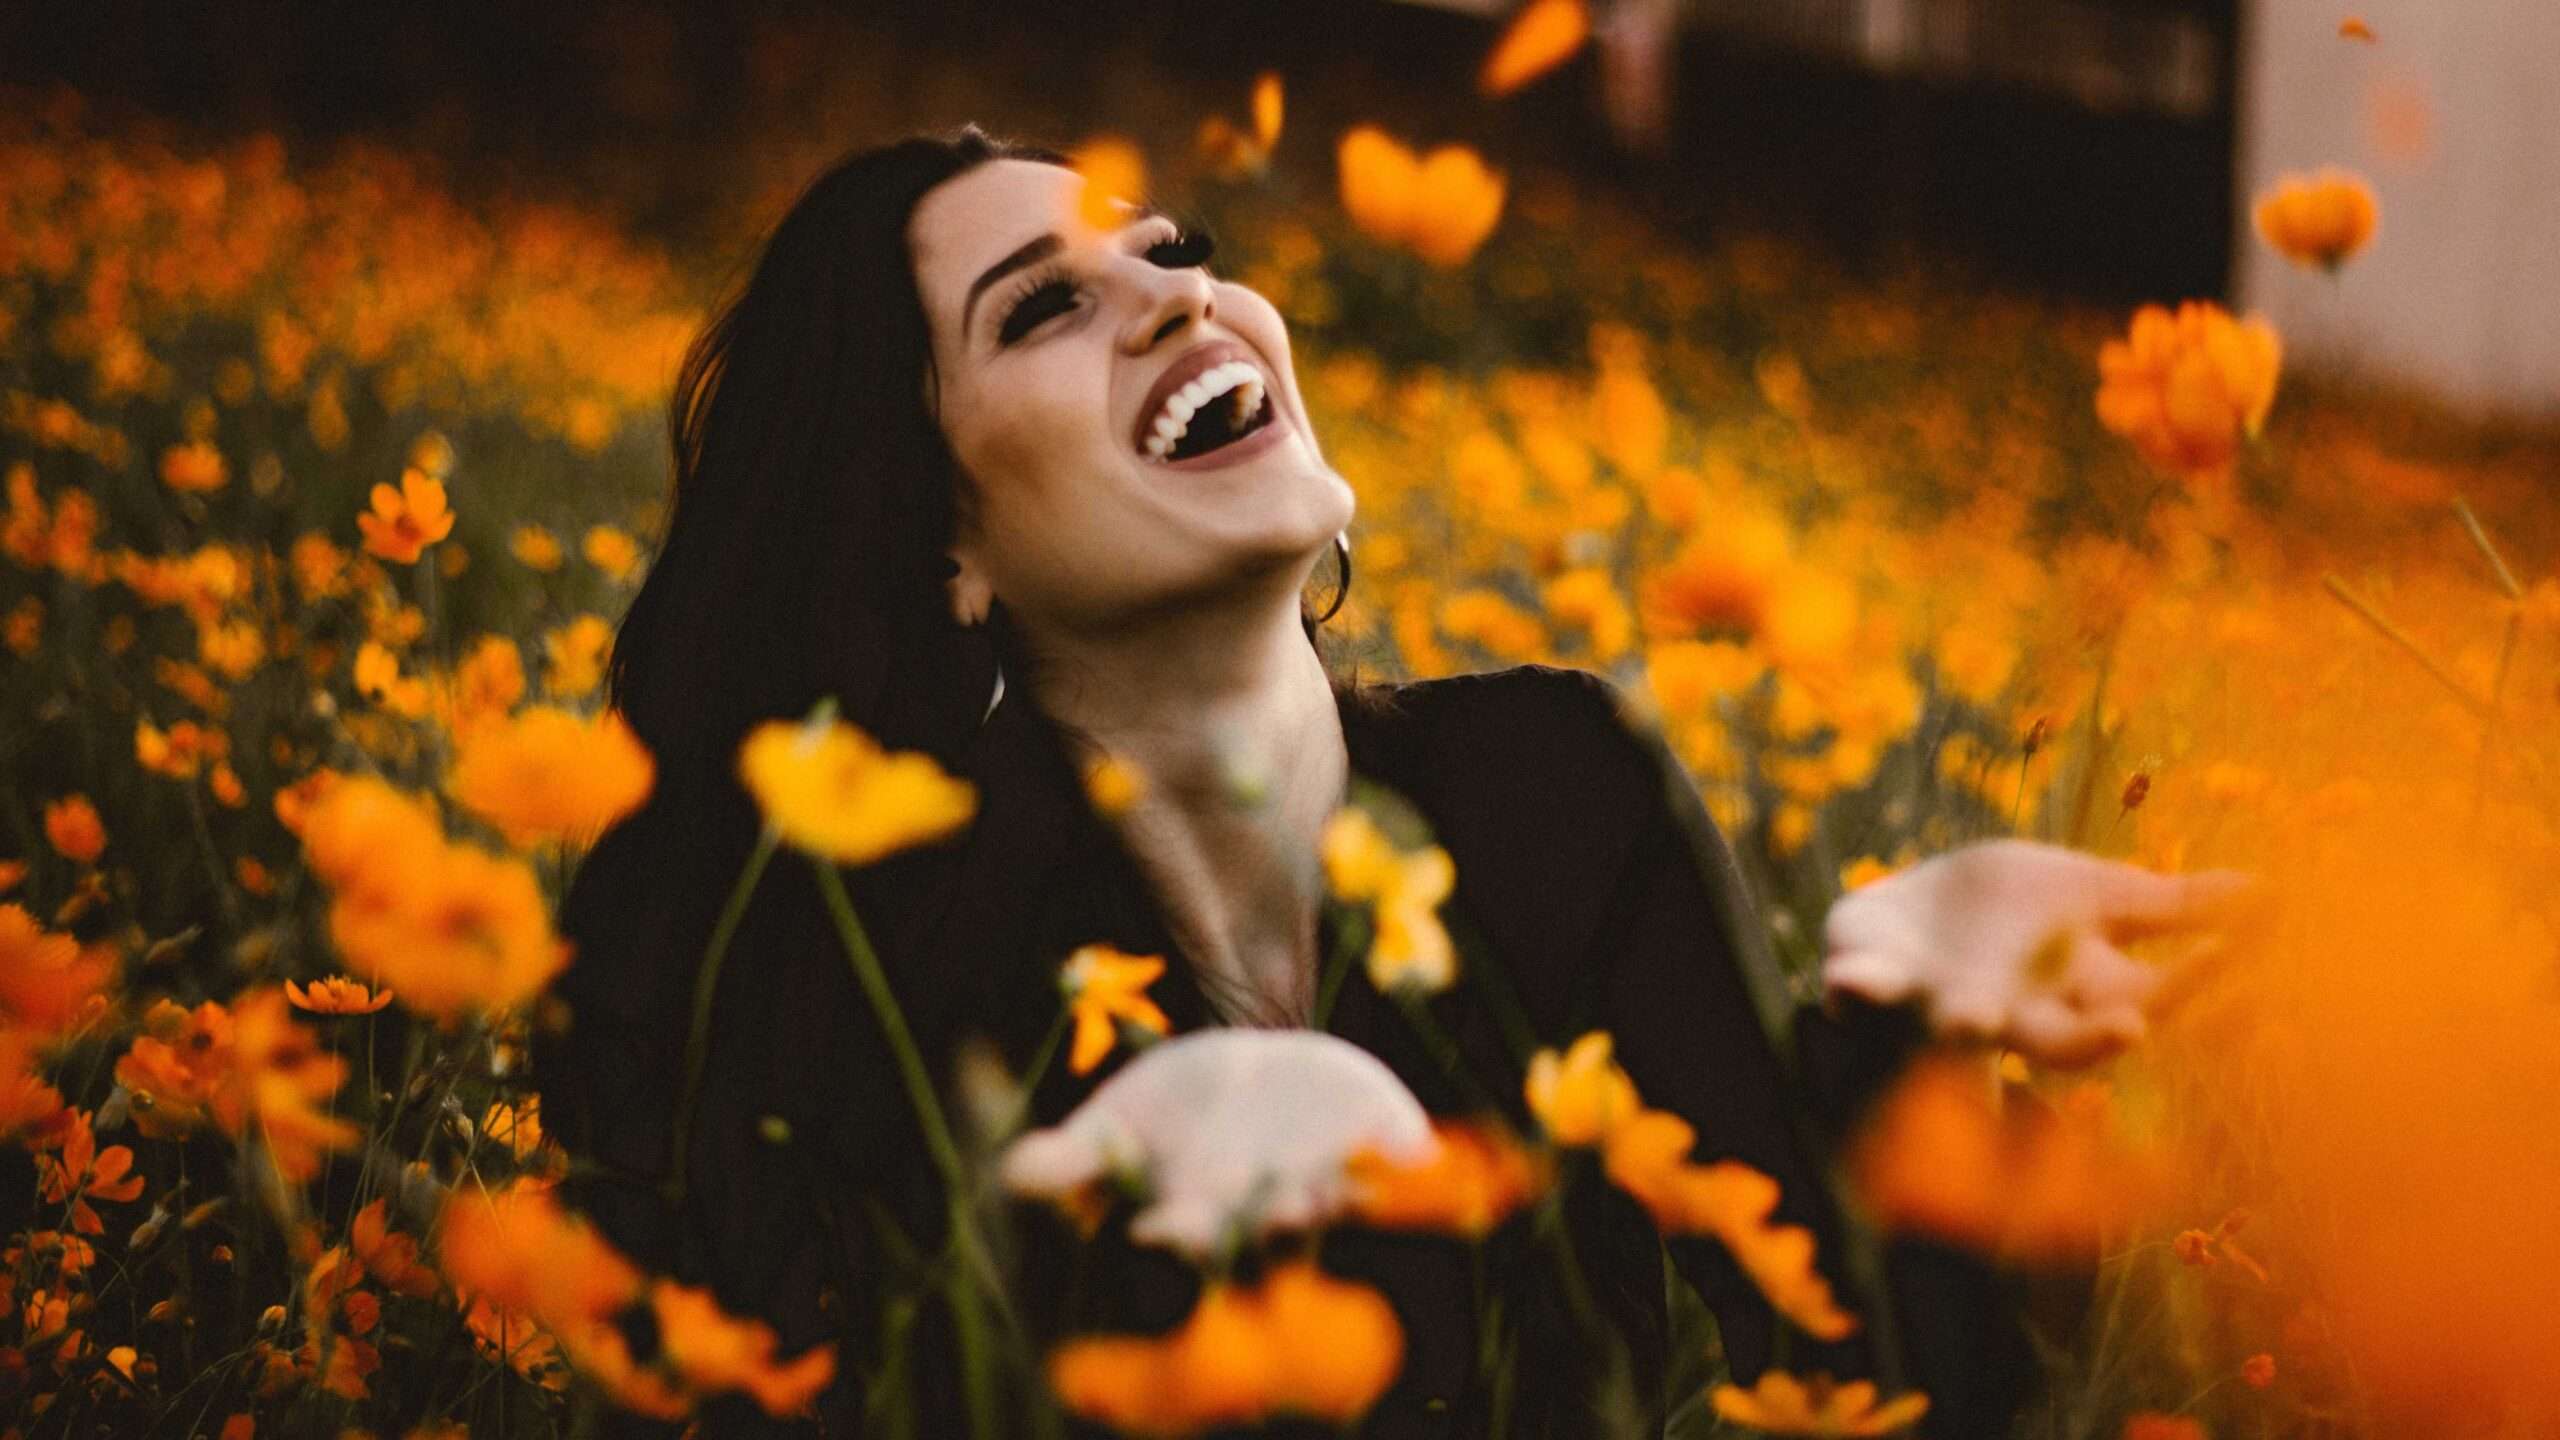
<point>1235,153</point>
<point>1105,988</point>
<point>2186,387</point>
<point>73,829</point>
<point>2024,1181</point>
<point>1440,206</point>
<point>2151,1425</point>
<point>2355,28</point>
<point>1542,36</point>
<point>1648,1157</point>
<point>1474,1178</point>
<point>1235,1133</point>
<point>2321,219</point>
<point>535,548</point>
<point>830,789</point>
<point>405,521</point>
<point>611,549</point>
<point>1581,1097</point>
<point>1409,949</point>
<point>1782,1404</point>
<point>1300,1343</point>
<point>1115,177</point>
<point>547,774</point>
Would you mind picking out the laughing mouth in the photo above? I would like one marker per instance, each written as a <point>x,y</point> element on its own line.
<point>1219,407</point>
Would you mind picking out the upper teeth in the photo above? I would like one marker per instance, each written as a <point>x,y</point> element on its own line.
<point>1235,376</point>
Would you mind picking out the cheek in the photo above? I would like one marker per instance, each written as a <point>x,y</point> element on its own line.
<point>1027,439</point>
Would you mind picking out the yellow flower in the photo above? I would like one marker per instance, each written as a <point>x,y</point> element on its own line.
<point>535,547</point>
<point>1580,1097</point>
<point>1113,785</point>
<point>2321,219</point>
<point>830,790</point>
<point>1781,1404</point>
<point>1409,948</point>
<point>405,521</point>
<point>2185,387</point>
<point>1105,987</point>
<point>550,775</point>
<point>1542,36</point>
<point>1441,207</point>
<point>611,550</point>
<point>378,678</point>
<point>576,656</point>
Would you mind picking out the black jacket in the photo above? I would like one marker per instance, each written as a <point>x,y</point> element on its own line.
<point>1591,886</point>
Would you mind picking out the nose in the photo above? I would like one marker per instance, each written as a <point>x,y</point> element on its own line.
<point>1172,301</point>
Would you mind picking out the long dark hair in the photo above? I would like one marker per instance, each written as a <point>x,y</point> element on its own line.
<point>806,553</point>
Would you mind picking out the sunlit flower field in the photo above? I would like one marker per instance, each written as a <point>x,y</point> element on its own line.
<point>324,488</point>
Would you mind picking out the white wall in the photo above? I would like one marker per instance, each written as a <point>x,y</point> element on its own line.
<point>2453,115</point>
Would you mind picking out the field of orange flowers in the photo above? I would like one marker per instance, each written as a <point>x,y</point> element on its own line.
<point>324,489</point>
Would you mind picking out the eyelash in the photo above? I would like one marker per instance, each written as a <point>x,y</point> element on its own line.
<point>1032,305</point>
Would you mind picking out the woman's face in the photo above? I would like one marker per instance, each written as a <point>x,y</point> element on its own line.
<point>1128,424</point>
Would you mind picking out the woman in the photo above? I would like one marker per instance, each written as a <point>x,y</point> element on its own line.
<point>1020,490</point>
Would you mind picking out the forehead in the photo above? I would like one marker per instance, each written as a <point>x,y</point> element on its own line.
<point>981,215</point>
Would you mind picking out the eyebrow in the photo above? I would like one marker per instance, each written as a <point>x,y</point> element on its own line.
<point>1032,252</point>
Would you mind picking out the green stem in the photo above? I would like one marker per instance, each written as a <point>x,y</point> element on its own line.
<point>1444,1051</point>
<point>1346,947</point>
<point>706,988</point>
<point>958,1288</point>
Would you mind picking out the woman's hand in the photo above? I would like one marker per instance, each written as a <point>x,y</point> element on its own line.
<point>2017,942</point>
<point>1231,1133</point>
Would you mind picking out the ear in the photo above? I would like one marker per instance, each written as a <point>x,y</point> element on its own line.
<point>972,596</point>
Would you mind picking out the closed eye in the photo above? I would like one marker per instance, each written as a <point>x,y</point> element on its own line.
<point>1049,294</point>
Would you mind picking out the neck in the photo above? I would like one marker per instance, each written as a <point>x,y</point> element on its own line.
<point>1227,714</point>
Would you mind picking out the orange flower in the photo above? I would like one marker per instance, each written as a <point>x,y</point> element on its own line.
<point>2030,1183</point>
<point>485,686</point>
<point>358,832</point>
<point>2150,1425</point>
<point>1782,1404</point>
<point>550,775</point>
<point>389,1257</point>
<point>535,547</point>
<point>2258,1371</point>
<point>452,929</point>
<point>1580,1097</point>
<point>1720,580</point>
<point>1105,988</point>
<point>830,790</point>
<point>2354,28</point>
<point>1542,36</point>
<point>196,467</point>
<point>1113,785</point>
<point>518,1127</point>
<point>1441,206</point>
<point>46,982</point>
<point>2321,219</point>
<point>26,1101</point>
<point>1476,1176</point>
<point>72,827</point>
<point>378,678</point>
<point>1302,1343</point>
<point>336,995</point>
<point>173,1071</point>
<point>278,1074</point>
<point>519,1249</point>
<point>711,1351</point>
<point>1648,1156</point>
<point>575,656</point>
<point>81,1172</point>
<point>2185,387</point>
<point>611,549</point>
<point>1115,177</point>
<point>1235,153</point>
<point>405,521</point>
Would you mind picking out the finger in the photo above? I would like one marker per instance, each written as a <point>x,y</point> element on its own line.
<point>2136,904</point>
<point>2051,1031</point>
<point>1875,975</point>
<point>2103,977</point>
<point>1052,1162</point>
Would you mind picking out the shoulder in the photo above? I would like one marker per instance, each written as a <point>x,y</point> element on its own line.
<point>1531,733</point>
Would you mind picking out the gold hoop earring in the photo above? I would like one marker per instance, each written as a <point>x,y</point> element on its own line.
<point>1342,560</point>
